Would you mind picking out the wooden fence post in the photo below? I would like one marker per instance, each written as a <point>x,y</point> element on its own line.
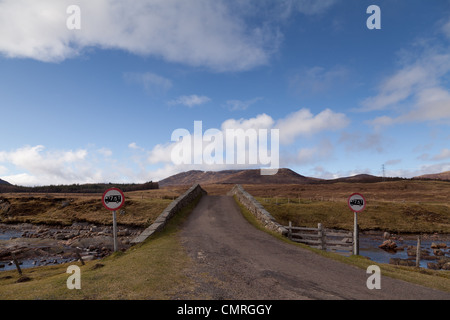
<point>290,231</point>
<point>418,251</point>
<point>321,237</point>
<point>79,257</point>
<point>16,263</point>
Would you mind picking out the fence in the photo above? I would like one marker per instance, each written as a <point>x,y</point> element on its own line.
<point>321,238</point>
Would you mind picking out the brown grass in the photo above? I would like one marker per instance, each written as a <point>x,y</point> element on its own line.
<point>141,208</point>
<point>408,206</point>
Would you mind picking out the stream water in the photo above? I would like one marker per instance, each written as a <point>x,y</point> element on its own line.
<point>368,247</point>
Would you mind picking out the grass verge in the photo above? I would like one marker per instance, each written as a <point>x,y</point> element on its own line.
<point>153,269</point>
<point>439,280</point>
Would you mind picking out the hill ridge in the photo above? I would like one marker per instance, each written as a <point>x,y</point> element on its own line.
<point>253,176</point>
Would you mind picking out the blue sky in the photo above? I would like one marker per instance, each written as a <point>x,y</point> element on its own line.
<point>100,103</point>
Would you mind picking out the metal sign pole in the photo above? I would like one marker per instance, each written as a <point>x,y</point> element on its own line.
<point>115,231</point>
<point>355,234</point>
<point>113,199</point>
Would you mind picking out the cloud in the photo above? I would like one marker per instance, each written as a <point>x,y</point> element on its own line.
<point>300,123</point>
<point>304,123</point>
<point>282,9</point>
<point>318,79</point>
<point>151,82</point>
<point>315,154</point>
<point>417,92</point>
<point>262,121</point>
<point>198,33</point>
<point>235,105</point>
<point>45,166</point>
<point>446,29</point>
<point>134,146</point>
<point>36,165</point>
<point>357,141</point>
<point>424,169</point>
<point>311,7</point>
<point>190,101</point>
<point>393,162</point>
<point>444,154</point>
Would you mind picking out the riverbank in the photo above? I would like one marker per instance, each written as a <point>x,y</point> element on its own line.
<point>40,245</point>
<point>401,249</point>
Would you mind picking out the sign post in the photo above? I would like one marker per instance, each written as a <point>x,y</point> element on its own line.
<point>356,203</point>
<point>113,199</point>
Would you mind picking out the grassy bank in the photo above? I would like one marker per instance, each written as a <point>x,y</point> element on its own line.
<point>401,217</point>
<point>396,206</point>
<point>141,208</point>
<point>439,280</point>
<point>151,270</point>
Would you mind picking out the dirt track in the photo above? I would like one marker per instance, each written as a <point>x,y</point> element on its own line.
<point>234,260</point>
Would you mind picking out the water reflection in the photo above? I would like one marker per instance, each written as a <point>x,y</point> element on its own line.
<point>368,247</point>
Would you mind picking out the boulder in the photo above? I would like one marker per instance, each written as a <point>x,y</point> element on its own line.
<point>435,245</point>
<point>402,262</point>
<point>388,245</point>
<point>432,266</point>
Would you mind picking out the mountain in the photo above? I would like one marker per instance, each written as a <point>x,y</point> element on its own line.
<point>3,182</point>
<point>435,176</point>
<point>252,176</point>
<point>362,178</point>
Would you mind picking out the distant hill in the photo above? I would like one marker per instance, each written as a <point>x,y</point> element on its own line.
<point>363,178</point>
<point>3,182</point>
<point>252,176</point>
<point>435,176</point>
<point>79,188</point>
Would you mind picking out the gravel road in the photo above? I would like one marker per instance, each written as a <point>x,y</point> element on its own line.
<point>234,260</point>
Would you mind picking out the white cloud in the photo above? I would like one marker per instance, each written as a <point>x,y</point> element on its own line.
<point>417,92</point>
<point>311,7</point>
<point>151,82</point>
<point>134,146</point>
<point>235,105</point>
<point>262,121</point>
<point>304,123</point>
<point>199,33</point>
<point>161,153</point>
<point>45,167</point>
<point>105,152</point>
<point>317,79</point>
<point>357,141</point>
<point>315,154</point>
<point>446,29</point>
<point>300,123</point>
<point>35,165</point>
<point>444,154</point>
<point>190,101</point>
<point>424,169</point>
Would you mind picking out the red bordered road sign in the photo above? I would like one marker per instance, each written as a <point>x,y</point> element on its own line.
<point>356,202</point>
<point>113,199</point>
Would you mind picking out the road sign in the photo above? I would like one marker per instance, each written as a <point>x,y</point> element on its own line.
<point>357,202</point>
<point>113,199</point>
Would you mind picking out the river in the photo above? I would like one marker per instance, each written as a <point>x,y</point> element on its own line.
<point>368,247</point>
